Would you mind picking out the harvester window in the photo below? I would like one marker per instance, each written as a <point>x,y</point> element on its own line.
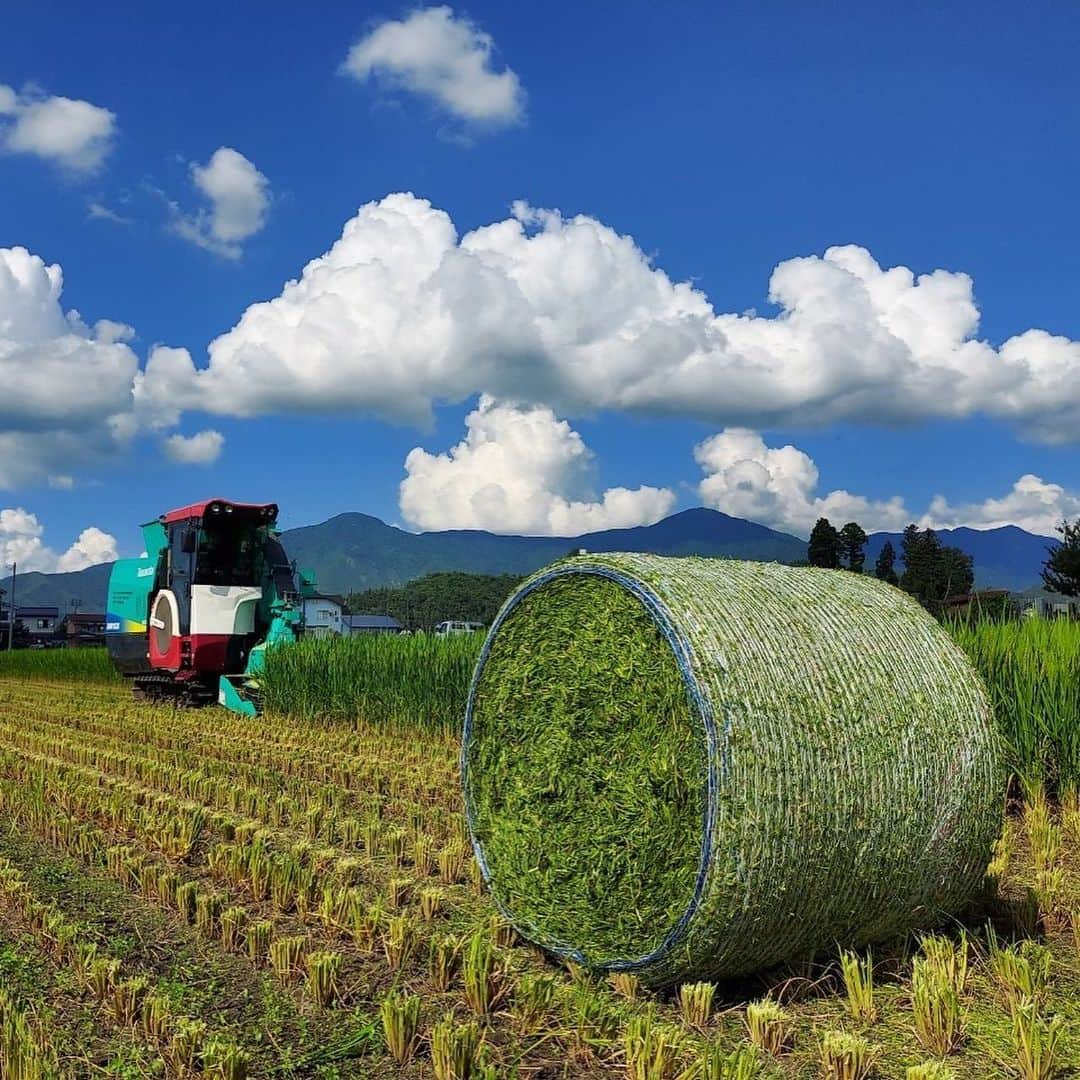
<point>225,557</point>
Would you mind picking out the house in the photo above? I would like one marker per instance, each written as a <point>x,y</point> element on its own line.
<point>988,603</point>
<point>372,624</point>
<point>1049,605</point>
<point>322,615</point>
<point>40,622</point>
<point>82,628</point>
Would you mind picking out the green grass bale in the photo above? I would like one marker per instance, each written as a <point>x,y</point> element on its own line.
<point>696,768</point>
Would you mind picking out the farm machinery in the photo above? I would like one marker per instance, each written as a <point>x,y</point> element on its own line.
<point>190,620</point>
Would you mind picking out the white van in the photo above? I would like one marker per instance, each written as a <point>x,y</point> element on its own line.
<point>458,626</point>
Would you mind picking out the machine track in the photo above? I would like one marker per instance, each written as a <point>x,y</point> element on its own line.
<point>165,688</point>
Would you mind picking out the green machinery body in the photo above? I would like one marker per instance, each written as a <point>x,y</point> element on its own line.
<point>192,617</point>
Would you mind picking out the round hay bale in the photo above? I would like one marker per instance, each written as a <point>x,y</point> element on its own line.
<point>700,767</point>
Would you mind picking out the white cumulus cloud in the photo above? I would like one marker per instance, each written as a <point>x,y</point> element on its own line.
<point>67,386</point>
<point>402,314</point>
<point>237,197</point>
<point>66,131</point>
<point>1032,503</point>
<point>21,541</point>
<point>203,448</point>
<point>519,469</point>
<point>778,487</point>
<point>442,56</point>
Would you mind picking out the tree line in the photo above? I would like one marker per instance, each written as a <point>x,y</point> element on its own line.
<point>933,572</point>
<point>424,602</point>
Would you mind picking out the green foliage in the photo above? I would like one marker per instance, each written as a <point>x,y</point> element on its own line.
<point>419,680</point>
<point>89,665</point>
<point>933,572</point>
<point>1031,668</point>
<point>845,1056</point>
<point>853,547</point>
<point>885,566</point>
<point>421,604</point>
<point>824,547</point>
<point>1061,572</point>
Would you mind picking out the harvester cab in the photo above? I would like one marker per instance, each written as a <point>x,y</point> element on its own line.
<point>190,619</point>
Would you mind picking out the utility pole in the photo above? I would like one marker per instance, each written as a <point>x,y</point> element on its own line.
<point>11,611</point>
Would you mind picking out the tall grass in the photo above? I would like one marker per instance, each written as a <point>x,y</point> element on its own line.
<point>74,665</point>
<point>1032,670</point>
<point>422,680</point>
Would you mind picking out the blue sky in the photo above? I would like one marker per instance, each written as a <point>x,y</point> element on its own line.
<point>725,140</point>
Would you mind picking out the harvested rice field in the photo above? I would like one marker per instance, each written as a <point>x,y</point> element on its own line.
<point>185,893</point>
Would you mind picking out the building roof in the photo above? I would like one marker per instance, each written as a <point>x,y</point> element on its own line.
<point>1037,593</point>
<point>36,612</point>
<point>371,622</point>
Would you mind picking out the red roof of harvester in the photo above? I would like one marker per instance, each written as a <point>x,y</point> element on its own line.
<point>199,510</point>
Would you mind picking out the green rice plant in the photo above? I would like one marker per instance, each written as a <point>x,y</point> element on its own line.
<point>502,931</point>
<point>400,1015</point>
<point>366,922</point>
<point>444,959</point>
<point>78,665</point>
<point>590,754</point>
<point>845,1056</point>
<point>949,959</point>
<point>479,974</point>
<point>455,1049</point>
<point>398,891</point>
<point>1038,1042</point>
<point>1022,972</point>
<point>207,912</point>
<point>155,1015</point>
<point>929,1070</point>
<point>322,977</point>
<point>1049,891</point>
<point>285,955</point>
<point>717,1062</point>
<point>626,984</point>
<point>102,976</point>
<point>533,998</point>
<point>595,1022</point>
<point>399,941</point>
<point>395,846</point>
<point>232,924</point>
<point>769,1026</point>
<point>423,856</point>
<point>939,1016</point>
<point>1031,668</point>
<point>858,974</point>
<point>224,1060</point>
<point>127,998</point>
<point>373,838</point>
<point>419,681</point>
<point>186,1043</point>
<point>651,1049</point>
<point>452,859</point>
<point>431,903</point>
<point>695,1002</point>
<point>1000,858</point>
<point>258,938</point>
<point>25,1052</point>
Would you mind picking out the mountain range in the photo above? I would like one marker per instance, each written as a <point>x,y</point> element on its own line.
<point>355,551</point>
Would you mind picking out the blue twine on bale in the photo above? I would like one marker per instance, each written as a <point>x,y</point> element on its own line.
<point>680,646</point>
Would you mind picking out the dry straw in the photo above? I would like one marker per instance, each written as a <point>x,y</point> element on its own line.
<point>825,769</point>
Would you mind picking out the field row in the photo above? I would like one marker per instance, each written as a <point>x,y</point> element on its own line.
<point>193,893</point>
